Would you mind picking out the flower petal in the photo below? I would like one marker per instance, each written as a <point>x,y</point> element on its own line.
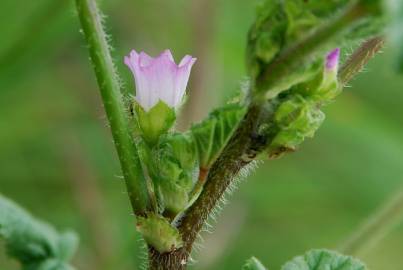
<point>168,53</point>
<point>159,78</point>
<point>332,59</point>
<point>145,59</point>
<point>185,60</point>
<point>182,77</point>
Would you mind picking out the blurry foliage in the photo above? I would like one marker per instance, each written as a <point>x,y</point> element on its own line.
<point>313,198</point>
<point>35,244</point>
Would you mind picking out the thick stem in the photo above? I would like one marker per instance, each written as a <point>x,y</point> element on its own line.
<point>91,22</point>
<point>376,227</point>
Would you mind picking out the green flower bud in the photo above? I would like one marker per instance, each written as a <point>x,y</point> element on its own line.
<point>325,86</point>
<point>175,170</point>
<point>296,118</point>
<point>154,122</point>
<point>159,233</point>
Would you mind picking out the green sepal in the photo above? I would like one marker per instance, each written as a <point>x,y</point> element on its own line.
<point>324,259</point>
<point>323,88</point>
<point>303,73</point>
<point>175,170</point>
<point>159,233</point>
<point>253,264</point>
<point>212,134</point>
<point>155,122</point>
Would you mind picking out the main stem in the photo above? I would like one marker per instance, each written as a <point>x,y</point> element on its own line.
<point>91,23</point>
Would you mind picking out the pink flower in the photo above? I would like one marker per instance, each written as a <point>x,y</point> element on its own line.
<point>332,60</point>
<point>159,78</point>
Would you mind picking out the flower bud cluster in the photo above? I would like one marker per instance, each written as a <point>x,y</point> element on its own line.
<point>297,115</point>
<point>281,24</point>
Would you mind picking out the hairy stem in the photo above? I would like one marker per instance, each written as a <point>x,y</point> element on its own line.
<point>356,62</point>
<point>376,227</point>
<point>91,23</point>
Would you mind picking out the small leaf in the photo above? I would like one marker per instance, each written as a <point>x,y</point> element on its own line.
<point>212,134</point>
<point>324,260</point>
<point>253,264</point>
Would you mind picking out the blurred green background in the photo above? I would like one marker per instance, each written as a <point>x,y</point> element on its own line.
<point>57,158</point>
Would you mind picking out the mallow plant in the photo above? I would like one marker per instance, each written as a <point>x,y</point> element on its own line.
<point>176,180</point>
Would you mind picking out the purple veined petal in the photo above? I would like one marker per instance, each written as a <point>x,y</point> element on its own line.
<point>182,77</point>
<point>164,70</point>
<point>332,60</point>
<point>185,60</point>
<point>168,54</point>
<point>149,89</point>
<point>159,78</point>
<point>145,60</point>
<point>133,62</point>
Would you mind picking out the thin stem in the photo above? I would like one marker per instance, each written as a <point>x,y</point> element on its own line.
<point>376,227</point>
<point>356,62</point>
<point>91,23</point>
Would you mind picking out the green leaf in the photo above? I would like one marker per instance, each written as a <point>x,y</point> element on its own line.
<point>31,241</point>
<point>159,233</point>
<point>324,260</point>
<point>213,133</point>
<point>253,264</point>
